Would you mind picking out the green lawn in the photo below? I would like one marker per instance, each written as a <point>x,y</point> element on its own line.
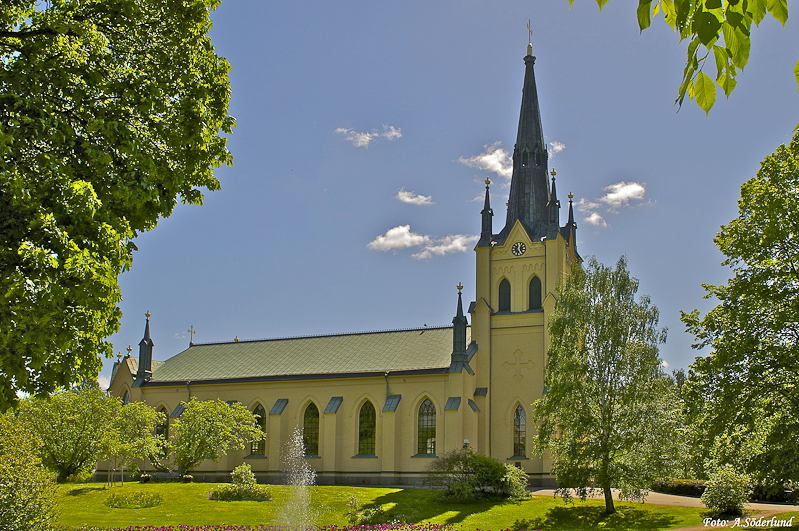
<point>188,504</point>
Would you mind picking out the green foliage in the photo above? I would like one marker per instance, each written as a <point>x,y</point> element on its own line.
<point>207,429</point>
<point>229,492</point>
<point>609,412</point>
<point>514,483</point>
<point>242,476</point>
<point>727,491</point>
<point>73,426</point>
<point>680,487</point>
<point>27,492</point>
<point>134,500</point>
<point>132,435</point>
<point>110,112</point>
<point>469,477</point>
<point>716,29</point>
<point>743,396</point>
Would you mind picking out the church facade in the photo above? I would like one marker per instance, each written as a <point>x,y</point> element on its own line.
<point>375,408</point>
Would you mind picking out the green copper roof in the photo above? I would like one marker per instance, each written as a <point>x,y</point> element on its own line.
<point>371,352</point>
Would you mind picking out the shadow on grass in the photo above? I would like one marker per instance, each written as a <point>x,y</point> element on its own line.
<point>83,490</point>
<point>412,506</point>
<point>582,517</point>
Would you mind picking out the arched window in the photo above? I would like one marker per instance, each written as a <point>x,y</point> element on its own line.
<point>427,428</point>
<point>504,295</point>
<point>525,158</point>
<point>126,399</point>
<point>367,422</point>
<point>259,448</point>
<point>535,293</point>
<point>163,430</point>
<point>519,432</point>
<point>310,430</point>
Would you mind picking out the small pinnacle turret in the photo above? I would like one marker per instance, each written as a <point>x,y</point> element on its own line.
<point>146,345</point>
<point>488,214</point>
<point>459,359</point>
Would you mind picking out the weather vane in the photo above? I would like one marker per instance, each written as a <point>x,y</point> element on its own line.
<point>530,31</point>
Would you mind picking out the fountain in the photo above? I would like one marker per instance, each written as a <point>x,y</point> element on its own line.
<point>298,474</point>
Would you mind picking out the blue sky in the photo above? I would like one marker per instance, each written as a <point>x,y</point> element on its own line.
<point>360,120</point>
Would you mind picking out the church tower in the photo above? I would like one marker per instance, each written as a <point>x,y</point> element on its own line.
<point>518,270</point>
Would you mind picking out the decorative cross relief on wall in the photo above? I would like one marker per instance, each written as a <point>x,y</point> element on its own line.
<point>518,365</point>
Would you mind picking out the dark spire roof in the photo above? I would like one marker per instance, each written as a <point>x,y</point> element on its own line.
<point>487,213</point>
<point>529,189</point>
<point>144,371</point>
<point>459,359</point>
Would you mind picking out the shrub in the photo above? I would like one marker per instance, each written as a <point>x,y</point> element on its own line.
<point>27,491</point>
<point>680,487</point>
<point>134,500</point>
<point>230,492</point>
<point>467,477</point>
<point>726,491</point>
<point>187,478</point>
<point>515,483</point>
<point>242,476</point>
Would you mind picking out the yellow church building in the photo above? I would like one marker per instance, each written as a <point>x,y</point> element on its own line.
<point>376,407</point>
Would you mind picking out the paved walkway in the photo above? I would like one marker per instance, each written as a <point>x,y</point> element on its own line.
<point>765,510</point>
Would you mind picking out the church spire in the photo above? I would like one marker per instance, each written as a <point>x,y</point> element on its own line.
<point>459,358</point>
<point>485,233</point>
<point>571,226</point>
<point>529,189</point>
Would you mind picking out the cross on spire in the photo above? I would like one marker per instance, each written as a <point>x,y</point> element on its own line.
<point>191,331</point>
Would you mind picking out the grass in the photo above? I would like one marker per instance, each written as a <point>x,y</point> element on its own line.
<point>83,505</point>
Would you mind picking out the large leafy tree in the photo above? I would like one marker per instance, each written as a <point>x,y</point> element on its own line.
<point>718,30</point>
<point>27,491</point>
<point>609,408</point>
<point>73,426</point>
<point>132,435</point>
<point>207,429</point>
<point>110,113</point>
<point>746,391</point>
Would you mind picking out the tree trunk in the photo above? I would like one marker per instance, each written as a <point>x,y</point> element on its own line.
<point>609,509</point>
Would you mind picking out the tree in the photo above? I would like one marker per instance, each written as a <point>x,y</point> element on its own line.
<point>133,435</point>
<point>607,411</point>
<point>110,112</point>
<point>717,29</point>
<point>73,427</point>
<point>207,429</point>
<point>27,492</point>
<point>746,389</point>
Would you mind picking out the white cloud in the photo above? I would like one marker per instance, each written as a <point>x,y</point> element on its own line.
<point>493,159</point>
<point>555,147</point>
<point>595,219</point>
<point>104,381</point>
<point>390,132</point>
<point>363,139</point>
<point>586,206</point>
<point>665,364</point>
<point>620,194</point>
<point>451,243</point>
<point>399,237</point>
<point>413,198</point>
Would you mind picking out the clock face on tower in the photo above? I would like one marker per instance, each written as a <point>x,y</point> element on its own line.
<point>518,248</point>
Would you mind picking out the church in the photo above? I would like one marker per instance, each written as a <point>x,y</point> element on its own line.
<point>376,407</point>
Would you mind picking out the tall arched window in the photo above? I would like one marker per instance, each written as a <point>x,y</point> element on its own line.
<point>259,448</point>
<point>367,422</point>
<point>163,430</point>
<point>519,432</point>
<point>310,430</point>
<point>427,428</point>
<point>504,295</point>
<point>535,293</point>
